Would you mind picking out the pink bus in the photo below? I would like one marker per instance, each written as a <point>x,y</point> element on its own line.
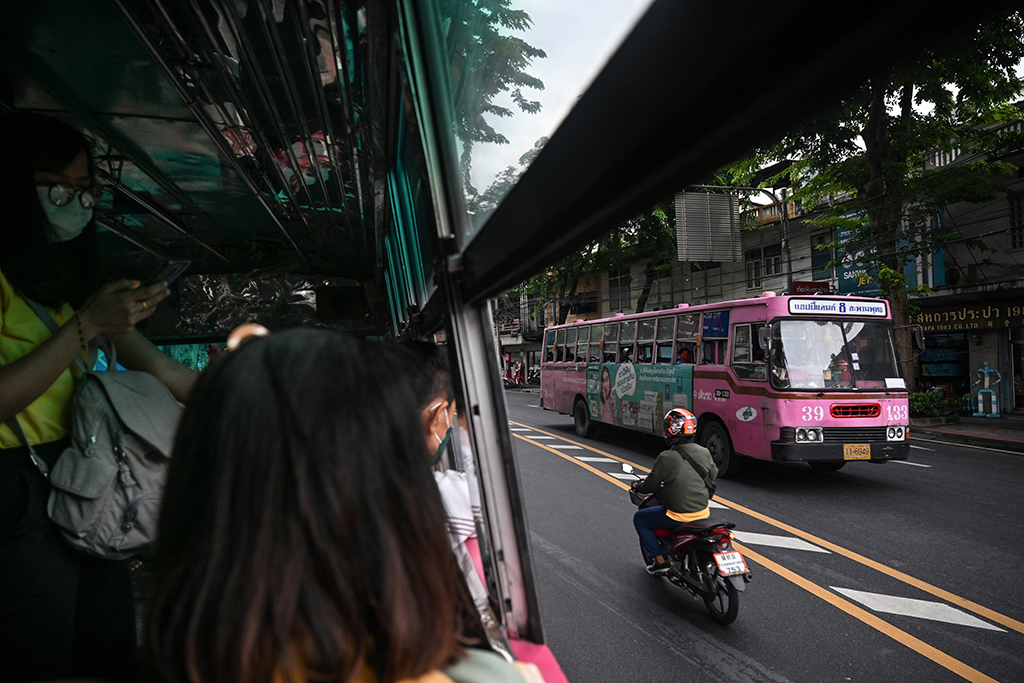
<point>786,378</point>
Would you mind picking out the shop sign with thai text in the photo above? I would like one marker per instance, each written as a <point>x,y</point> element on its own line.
<point>978,317</point>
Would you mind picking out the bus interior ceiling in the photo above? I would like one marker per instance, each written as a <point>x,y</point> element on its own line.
<point>272,143</point>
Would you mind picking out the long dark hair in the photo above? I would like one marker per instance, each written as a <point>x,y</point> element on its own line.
<point>302,534</point>
<point>52,274</point>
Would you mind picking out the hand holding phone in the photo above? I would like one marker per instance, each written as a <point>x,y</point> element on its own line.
<point>168,272</point>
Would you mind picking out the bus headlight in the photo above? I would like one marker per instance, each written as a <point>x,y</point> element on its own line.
<point>895,433</point>
<point>810,435</point>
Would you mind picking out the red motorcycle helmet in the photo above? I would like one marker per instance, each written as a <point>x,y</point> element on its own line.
<point>679,424</point>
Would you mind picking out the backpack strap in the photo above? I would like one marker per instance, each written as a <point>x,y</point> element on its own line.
<point>700,470</point>
<point>40,464</point>
<point>52,325</point>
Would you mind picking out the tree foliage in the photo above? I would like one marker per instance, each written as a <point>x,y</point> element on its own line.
<point>878,148</point>
<point>486,62</point>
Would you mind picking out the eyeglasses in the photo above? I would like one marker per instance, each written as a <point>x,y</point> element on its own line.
<point>61,195</point>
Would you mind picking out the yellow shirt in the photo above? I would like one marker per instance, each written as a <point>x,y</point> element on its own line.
<point>688,516</point>
<point>48,417</point>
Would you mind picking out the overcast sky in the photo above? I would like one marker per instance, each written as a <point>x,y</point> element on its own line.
<point>578,41</point>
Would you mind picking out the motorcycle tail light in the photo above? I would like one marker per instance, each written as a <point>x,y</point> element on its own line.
<point>723,540</point>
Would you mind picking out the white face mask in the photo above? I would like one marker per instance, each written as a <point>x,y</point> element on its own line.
<point>66,222</point>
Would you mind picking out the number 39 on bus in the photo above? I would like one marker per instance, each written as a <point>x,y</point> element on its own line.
<point>785,378</point>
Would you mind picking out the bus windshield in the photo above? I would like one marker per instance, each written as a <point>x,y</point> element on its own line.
<point>832,354</point>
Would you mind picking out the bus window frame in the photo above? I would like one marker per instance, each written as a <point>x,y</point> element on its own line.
<point>627,346</point>
<point>582,343</point>
<point>596,344</point>
<point>687,337</point>
<point>714,350</point>
<point>610,347</point>
<point>661,342</point>
<point>748,368</point>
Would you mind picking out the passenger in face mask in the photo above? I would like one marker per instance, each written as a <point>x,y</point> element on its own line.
<point>64,613</point>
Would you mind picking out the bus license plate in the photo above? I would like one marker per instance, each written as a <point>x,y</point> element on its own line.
<point>856,451</point>
<point>730,564</point>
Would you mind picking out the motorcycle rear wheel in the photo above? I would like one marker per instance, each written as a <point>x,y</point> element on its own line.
<point>724,606</point>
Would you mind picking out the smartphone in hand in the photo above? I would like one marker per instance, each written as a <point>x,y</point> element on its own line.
<point>168,272</point>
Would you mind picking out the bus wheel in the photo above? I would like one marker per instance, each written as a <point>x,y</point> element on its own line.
<point>585,427</point>
<point>827,466</point>
<point>716,439</point>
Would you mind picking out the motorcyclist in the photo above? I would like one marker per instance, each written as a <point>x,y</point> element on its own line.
<point>678,484</point>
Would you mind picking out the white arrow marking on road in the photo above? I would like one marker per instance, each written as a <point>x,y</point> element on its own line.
<point>777,541</point>
<point>519,429</point>
<point>567,447</point>
<point>908,607</point>
<point>533,405</point>
<point>915,464</point>
<point>591,458</point>
<point>541,437</point>
<point>622,475</point>
<point>713,504</point>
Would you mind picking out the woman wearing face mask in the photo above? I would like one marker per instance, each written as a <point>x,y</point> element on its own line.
<point>62,613</point>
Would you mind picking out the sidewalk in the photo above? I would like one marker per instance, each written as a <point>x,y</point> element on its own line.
<point>1006,432</point>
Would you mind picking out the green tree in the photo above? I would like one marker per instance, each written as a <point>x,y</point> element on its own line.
<point>484,63</point>
<point>877,146</point>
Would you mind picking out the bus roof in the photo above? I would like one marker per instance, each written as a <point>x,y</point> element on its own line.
<point>796,305</point>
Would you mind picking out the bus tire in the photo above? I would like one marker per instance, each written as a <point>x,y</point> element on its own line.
<point>585,427</point>
<point>715,438</point>
<point>827,466</point>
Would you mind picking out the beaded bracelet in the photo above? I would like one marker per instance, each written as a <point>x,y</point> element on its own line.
<point>81,333</point>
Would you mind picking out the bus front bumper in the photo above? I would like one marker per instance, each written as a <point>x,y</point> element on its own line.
<point>784,451</point>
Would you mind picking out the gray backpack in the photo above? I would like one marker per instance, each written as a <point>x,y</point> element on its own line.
<point>107,485</point>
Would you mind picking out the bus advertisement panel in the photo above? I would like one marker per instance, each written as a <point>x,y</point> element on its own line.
<point>795,378</point>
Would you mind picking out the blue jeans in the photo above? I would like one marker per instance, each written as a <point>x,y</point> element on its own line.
<point>646,520</point>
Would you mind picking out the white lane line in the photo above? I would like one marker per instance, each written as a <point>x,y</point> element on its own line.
<point>566,447</point>
<point>533,405</point>
<point>713,504</point>
<point>519,429</point>
<point>591,458</point>
<point>908,607</point>
<point>542,437</point>
<point>778,541</point>
<point>920,448</point>
<point>622,475</point>
<point>915,464</point>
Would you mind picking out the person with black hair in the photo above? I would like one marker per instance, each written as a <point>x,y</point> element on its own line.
<point>64,613</point>
<point>302,536</point>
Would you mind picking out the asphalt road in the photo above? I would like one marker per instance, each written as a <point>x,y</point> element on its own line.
<point>895,572</point>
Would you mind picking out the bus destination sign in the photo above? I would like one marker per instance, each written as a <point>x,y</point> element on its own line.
<point>870,309</point>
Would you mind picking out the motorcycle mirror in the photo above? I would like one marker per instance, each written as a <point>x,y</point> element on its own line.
<point>628,469</point>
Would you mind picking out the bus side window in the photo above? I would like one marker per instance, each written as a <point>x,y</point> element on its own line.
<point>745,362</point>
<point>645,353</point>
<point>549,346</point>
<point>560,346</point>
<point>611,343</point>
<point>582,342</point>
<point>712,352</point>
<point>594,356</point>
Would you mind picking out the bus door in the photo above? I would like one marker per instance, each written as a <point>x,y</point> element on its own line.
<point>749,402</point>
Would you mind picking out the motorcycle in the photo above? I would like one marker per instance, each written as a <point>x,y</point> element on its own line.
<point>701,558</point>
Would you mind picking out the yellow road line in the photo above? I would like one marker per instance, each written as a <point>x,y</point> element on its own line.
<point>878,566</point>
<point>900,636</point>
<point>964,603</point>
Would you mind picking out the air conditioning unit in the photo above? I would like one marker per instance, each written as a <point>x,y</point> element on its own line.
<point>952,276</point>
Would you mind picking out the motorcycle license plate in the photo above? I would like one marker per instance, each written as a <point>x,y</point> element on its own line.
<point>856,451</point>
<point>730,564</point>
